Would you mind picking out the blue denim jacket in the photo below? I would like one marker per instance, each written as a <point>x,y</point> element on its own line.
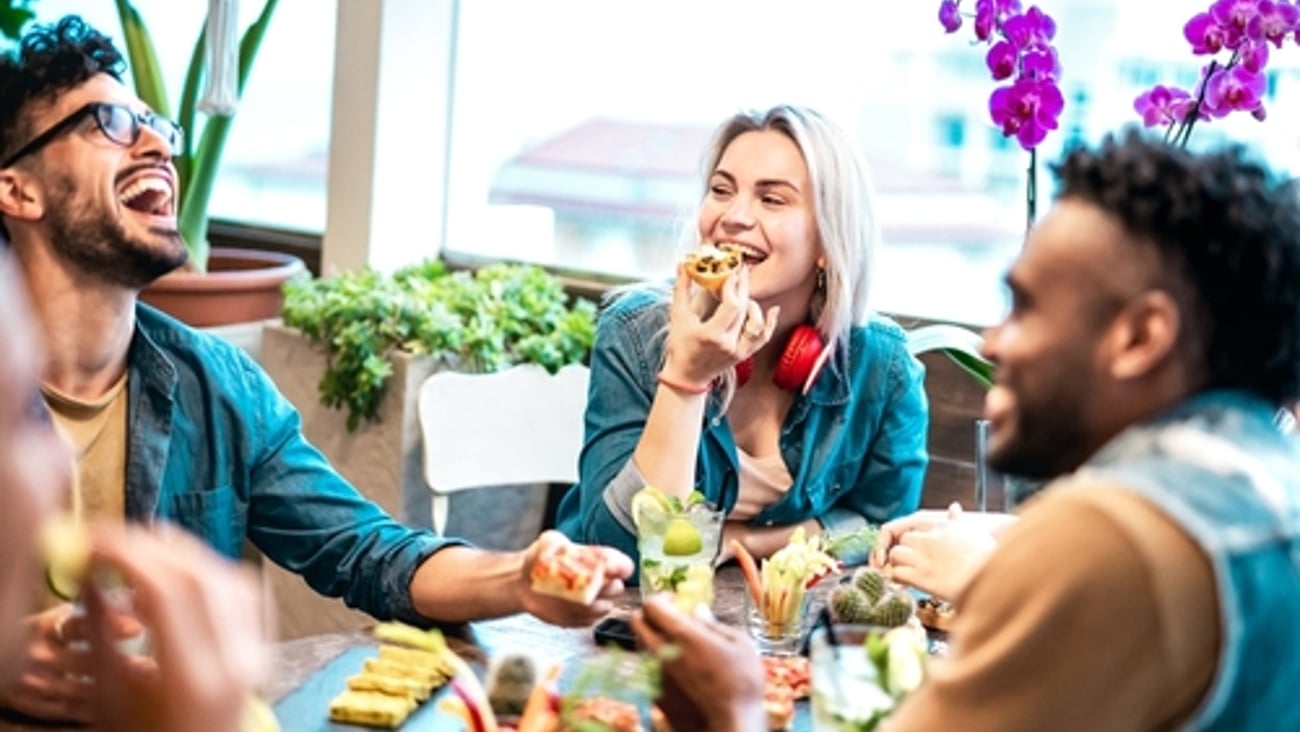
<point>855,445</point>
<point>1220,469</point>
<point>215,448</point>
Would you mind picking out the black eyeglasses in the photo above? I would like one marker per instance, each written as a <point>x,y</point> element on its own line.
<point>118,123</point>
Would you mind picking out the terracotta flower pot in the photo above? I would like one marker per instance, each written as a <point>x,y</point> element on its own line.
<point>241,285</point>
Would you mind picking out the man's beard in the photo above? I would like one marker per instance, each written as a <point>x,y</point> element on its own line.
<point>1047,440</point>
<point>100,247</point>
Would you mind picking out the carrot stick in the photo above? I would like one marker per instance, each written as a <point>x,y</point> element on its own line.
<point>750,570</point>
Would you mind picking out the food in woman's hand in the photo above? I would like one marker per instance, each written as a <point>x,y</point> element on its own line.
<point>711,265</point>
<point>935,614</point>
<point>614,714</point>
<point>574,572</point>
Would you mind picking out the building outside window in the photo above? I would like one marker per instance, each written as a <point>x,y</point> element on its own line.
<point>577,126</point>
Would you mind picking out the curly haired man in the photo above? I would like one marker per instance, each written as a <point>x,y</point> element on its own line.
<point>1154,332</point>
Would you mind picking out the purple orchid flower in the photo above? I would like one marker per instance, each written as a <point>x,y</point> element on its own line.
<point>1028,109</point>
<point>1002,60</point>
<point>1030,30</point>
<point>1206,35</point>
<point>1253,55</point>
<point>950,15</point>
<point>990,13</point>
<point>1235,17</point>
<point>1274,21</point>
<point>1163,105</point>
<point>1234,88</point>
<point>1041,63</point>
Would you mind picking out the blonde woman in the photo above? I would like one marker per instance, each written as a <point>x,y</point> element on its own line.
<point>782,398</point>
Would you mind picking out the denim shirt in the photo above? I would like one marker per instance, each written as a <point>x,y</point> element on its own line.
<point>214,447</point>
<point>1219,468</point>
<point>855,445</point>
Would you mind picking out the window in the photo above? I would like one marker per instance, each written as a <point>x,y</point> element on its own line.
<point>578,125</point>
<point>274,164</point>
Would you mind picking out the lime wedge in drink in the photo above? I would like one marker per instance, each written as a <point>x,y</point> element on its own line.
<point>650,505</point>
<point>66,550</point>
<point>682,539</point>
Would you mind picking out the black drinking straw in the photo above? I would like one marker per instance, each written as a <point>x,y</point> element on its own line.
<point>825,621</point>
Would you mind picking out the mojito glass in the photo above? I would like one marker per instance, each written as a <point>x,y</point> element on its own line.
<point>677,550</point>
<point>846,689</point>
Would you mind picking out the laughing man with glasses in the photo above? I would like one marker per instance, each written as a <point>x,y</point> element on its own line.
<point>173,425</point>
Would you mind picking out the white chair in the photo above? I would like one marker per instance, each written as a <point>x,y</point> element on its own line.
<point>521,425</point>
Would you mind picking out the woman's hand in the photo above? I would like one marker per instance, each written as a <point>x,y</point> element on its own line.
<point>702,345</point>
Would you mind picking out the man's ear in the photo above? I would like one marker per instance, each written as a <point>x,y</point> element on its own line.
<point>19,196</point>
<point>1143,334</point>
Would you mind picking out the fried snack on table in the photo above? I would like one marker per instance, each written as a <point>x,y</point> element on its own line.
<point>778,702</point>
<point>371,709</point>
<point>711,265</point>
<point>437,663</point>
<point>417,689</point>
<point>396,669</point>
<point>791,672</point>
<point>258,716</point>
<point>409,636</point>
<point>935,614</point>
<point>617,715</point>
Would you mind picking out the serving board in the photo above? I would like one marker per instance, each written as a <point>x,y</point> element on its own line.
<point>306,709</point>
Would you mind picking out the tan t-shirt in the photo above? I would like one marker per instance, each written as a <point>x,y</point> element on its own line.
<point>96,433</point>
<point>1095,613</point>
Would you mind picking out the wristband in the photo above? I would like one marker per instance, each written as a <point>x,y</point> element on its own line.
<point>684,388</point>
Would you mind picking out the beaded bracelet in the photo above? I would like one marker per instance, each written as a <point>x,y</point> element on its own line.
<point>683,388</point>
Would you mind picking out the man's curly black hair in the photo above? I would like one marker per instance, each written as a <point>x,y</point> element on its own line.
<point>50,60</point>
<point>1228,233</point>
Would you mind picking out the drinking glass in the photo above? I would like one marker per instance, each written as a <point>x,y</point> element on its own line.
<point>669,564</point>
<point>779,628</point>
<point>846,691</point>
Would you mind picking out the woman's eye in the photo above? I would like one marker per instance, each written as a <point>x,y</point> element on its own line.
<point>773,200</point>
<point>719,190</point>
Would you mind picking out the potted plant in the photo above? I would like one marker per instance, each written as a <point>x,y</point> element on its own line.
<point>352,356</point>
<point>217,287</point>
<point>356,347</point>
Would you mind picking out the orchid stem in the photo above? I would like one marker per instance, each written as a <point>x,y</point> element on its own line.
<point>1031,191</point>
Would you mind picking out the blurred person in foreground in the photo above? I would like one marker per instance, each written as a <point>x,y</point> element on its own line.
<point>1154,332</point>
<point>169,424</point>
<point>202,611</point>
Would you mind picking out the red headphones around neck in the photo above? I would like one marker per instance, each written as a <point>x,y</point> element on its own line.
<point>801,360</point>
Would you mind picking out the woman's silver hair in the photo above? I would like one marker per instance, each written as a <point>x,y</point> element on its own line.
<point>843,207</point>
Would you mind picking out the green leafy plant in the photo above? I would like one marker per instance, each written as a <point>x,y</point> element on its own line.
<point>14,16</point>
<point>197,165</point>
<point>485,321</point>
<point>957,343</point>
